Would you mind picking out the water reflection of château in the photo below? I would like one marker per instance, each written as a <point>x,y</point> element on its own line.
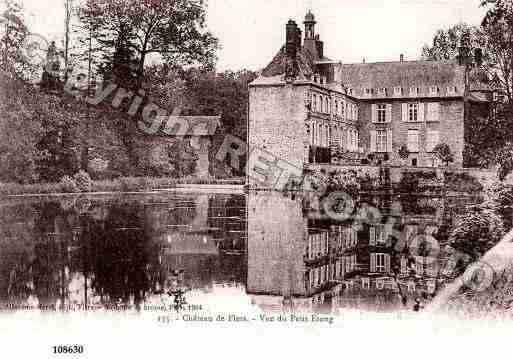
<point>301,259</point>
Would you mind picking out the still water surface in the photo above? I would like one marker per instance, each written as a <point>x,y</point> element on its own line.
<point>268,251</point>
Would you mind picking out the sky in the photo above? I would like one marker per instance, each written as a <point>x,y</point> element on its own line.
<point>252,31</point>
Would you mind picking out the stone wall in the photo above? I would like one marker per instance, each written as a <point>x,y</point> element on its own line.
<point>277,115</point>
<point>485,177</point>
<point>450,129</point>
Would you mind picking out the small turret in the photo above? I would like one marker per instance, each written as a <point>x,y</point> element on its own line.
<point>312,41</point>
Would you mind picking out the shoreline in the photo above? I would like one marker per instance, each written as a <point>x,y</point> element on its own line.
<point>202,188</point>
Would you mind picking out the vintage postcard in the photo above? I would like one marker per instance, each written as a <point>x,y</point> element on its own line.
<point>309,177</point>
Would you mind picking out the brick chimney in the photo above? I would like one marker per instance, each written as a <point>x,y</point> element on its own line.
<point>319,46</point>
<point>299,38</point>
<point>291,45</point>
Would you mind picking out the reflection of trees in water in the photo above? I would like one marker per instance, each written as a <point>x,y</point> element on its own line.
<point>52,231</point>
<point>112,249</point>
<point>16,252</point>
<point>119,255</point>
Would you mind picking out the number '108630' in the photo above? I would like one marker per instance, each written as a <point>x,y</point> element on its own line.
<point>68,349</point>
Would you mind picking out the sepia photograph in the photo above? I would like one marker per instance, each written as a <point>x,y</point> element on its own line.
<point>304,177</point>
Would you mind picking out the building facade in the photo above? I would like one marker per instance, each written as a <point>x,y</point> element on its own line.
<point>307,109</point>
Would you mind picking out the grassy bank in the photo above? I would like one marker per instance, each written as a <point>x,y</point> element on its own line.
<point>124,184</point>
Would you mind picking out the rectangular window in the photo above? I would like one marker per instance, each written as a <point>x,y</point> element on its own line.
<point>381,236</point>
<point>398,91</point>
<point>414,91</point>
<point>433,114</point>
<point>381,262</point>
<point>348,265</point>
<point>433,90</point>
<point>413,140</point>
<point>413,112</point>
<point>366,283</point>
<point>380,284</point>
<point>381,141</point>
<point>451,90</point>
<point>381,115</point>
<point>404,265</point>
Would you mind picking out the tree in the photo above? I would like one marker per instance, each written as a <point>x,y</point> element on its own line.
<point>497,29</point>
<point>224,94</point>
<point>446,42</point>
<point>19,131</point>
<point>68,13</point>
<point>13,35</point>
<point>174,30</point>
<point>403,152</point>
<point>39,132</point>
<point>504,161</point>
<point>443,152</point>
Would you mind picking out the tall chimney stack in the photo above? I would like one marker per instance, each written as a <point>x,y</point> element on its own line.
<point>401,58</point>
<point>291,39</point>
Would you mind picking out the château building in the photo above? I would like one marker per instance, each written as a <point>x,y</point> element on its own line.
<point>307,109</point>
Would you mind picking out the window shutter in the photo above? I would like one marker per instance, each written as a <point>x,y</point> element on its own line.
<point>387,263</point>
<point>389,113</point>
<point>374,109</point>
<point>405,112</point>
<point>373,141</point>
<point>436,112</point>
<point>422,111</point>
<point>389,141</point>
<point>372,236</point>
<point>373,262</point>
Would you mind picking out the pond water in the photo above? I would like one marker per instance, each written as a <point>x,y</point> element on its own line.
<point>256,251</point>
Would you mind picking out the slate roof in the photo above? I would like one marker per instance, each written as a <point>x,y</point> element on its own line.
<point>278,64</point>
<point>378,75</point>
<point>421,74</point>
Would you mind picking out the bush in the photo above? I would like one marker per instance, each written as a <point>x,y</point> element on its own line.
<point>409,183</point>
<point>504,160</point>
<point>68,185</point>
<point>500,199</point>
<point>462,182</point>
<point>475,232</point>
<point>83,181</point>
<point>443,152</point>
<point>345,180</point>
